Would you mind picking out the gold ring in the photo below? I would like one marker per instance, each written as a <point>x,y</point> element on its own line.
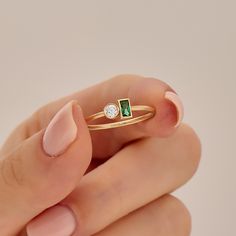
<point>124,108</point>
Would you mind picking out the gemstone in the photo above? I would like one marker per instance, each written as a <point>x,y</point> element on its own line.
<point>125,108</point>
<point>111,111</point>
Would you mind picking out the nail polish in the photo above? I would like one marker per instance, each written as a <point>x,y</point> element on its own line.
<point>56,221</point>
<point>175,99</point>
<point>61,132</point>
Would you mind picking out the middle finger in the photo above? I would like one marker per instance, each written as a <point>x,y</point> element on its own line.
<point>138,174</point>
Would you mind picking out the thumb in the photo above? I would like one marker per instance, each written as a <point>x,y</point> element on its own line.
<point>44,169</point>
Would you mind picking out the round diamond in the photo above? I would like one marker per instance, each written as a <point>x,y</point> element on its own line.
<point>111,111</point>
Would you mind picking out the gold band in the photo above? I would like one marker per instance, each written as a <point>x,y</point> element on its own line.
<point>150,113</point>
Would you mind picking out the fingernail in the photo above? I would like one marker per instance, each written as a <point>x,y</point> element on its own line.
<point>175,99</point>
<point>61,132</point>
<point>57,221</point>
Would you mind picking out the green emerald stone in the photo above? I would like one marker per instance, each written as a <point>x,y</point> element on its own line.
<point>125,108</point>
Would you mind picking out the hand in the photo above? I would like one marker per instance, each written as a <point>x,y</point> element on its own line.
<point>130,171</point>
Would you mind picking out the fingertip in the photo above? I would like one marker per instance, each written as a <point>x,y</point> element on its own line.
<point>169,114</point>
<point>58,220</point>
<point>165,118</point>
<point>167,104</point>
<point>177,102</point>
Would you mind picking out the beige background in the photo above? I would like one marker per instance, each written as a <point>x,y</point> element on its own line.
<point>51,48</point>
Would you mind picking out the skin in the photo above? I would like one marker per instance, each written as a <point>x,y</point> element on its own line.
<point>130,171</point>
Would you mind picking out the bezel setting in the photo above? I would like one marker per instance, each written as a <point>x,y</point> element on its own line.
<point>125,108</point>
<point>111,111</point>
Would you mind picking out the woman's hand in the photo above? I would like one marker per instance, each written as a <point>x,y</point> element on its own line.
<point>130,171</point>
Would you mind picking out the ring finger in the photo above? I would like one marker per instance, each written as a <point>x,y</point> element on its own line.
<point>166,216</point>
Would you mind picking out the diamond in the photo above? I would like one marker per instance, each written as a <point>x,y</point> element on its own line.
<point>111,110</point>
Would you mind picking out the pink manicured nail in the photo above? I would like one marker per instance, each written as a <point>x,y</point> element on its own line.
<point>61,132</point>
<point>175,99</point>
<point>57,221</point>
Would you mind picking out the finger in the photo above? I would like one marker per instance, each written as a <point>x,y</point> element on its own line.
<point>135,176</point>
<point>140,90</point>
<point>166,216</point>
<point>44,169</point>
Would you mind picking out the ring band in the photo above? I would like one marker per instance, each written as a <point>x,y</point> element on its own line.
<point>111,111</point>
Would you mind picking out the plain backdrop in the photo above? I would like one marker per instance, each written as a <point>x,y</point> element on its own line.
<point>51,48</point>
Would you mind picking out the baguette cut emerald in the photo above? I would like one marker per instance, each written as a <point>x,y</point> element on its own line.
<point>125,108</point>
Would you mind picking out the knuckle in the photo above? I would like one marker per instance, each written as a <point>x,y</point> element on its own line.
<point>110,191</point>
<point>11,171</point>
<point>125,78</point>
<point>192,145</point>
<point>177,217</point>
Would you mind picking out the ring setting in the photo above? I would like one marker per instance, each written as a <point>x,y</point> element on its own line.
<point>111,111</point>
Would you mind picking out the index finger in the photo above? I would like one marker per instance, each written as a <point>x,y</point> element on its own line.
<point>140,90</point>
